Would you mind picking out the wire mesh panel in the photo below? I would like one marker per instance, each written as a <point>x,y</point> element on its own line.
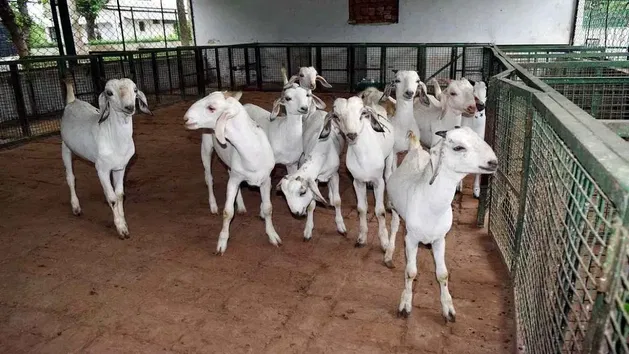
<point>335,66</point>
<point>272,59</point>
<point>602,23</point>
<point>567,227</point>
<point>617,324</point>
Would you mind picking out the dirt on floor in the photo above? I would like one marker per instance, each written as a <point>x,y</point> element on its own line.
<point>68,284</point>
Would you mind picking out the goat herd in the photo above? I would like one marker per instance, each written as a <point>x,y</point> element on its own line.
<point>308,141</point>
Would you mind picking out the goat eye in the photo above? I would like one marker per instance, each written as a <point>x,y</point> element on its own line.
<point>211,109</point>
<point>301,75</point>
<point>109,93</point>
<point>287,98</point>
<point>417,81</point>
<point>397,81</point>
<point>301,194</point>
<point>458,148</point>
<point>452,93</point>
<point>135,90</point>
<point>308,95</point>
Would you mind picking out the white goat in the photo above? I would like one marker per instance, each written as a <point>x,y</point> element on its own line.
<point>421,190</point>
<point>369,156</point>
<point>372,96</point>
<point>104,137</point>
<point>477,124</point>
<point>434,115</point>
<point>243,146</point>
<point>323,143</point>
<point>307,78</point>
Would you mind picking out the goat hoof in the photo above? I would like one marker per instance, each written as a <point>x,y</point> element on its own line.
<point>450,318</point>
<point>389,264</point>
<point>77,211</point>
<point>359,245</point>
<point>307,239</point>
<point>403,313</point>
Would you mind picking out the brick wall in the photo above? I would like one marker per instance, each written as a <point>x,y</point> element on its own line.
<point>373,11</point>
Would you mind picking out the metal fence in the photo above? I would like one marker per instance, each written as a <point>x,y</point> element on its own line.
<point>602,23</point>
<point>32,95</point>
<point>559,214</point>
<point>78,27</point>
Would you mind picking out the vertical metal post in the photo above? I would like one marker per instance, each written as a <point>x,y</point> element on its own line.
<point>231,68</point>
<point>57,27</point>
<point>170,76</point>
<point>193,34</point>
<point>19,99</point>
<point>453,63</point>
<point>95,69</point>
<point>135,34</point>
<point>131,59</point>
<point>247,75</point>
<point>198,55</point>
<point>421,62</point>
<point>124,47</point>
<point>218,70</point>
<point>350,68</point>
<point>155,76</point>
<point>289,69</point>
<point>383,65</point>
<point>182,81</point>
<point>66,27</point>
<point>318,62</point>
<point>161,6</point>
<point>258,67</point>
<point>463,72</point>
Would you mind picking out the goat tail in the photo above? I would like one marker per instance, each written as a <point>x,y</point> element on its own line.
<point>413,140</point>
<point>284,75</point>
<point>69,89</point>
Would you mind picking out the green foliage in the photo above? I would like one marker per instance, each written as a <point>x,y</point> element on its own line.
<point>90,8</point>
<point>37,37</point>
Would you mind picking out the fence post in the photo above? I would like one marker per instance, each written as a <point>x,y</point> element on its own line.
<point>258,67</point>
<point>155,76</point>
<point>132,72</point>
<point>231,68</point>
<point>247,75</point>
<point>318,62</point>
<point>219,80</point>
<point>19,99</point>
<point>182,81</point>
<point>95,69</point>
<point>526,172</point>
<point>383,65</point>
<point>421,62</point>
<point>200,64</point>
<point>66,27</point>
<point>56,26</point>
<point>135,34</point>
<point>463,72</point>
<point>453,62</point>
<point>350,67</point>
<point>289,69</point>
<point>124,47</point>
<point>161,6</point>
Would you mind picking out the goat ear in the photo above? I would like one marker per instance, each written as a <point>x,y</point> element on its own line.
<point>395,71</point>
<point>472,82</point>
<point>278,186</point>
<point>142,103</point>
<point>221,124</point>
<point>284,75</point>
<point>373,119</point>
<point>276,108</point>
<point>323,82</point>
<point>318,102</point>
<point>442,133</point>
<point>312,184</point>
<point>292,80</point>
<point>423,95</point>
<point>327,127</point>
<point>388,89</point>
<point>436,158</point>
<point>103,105</point>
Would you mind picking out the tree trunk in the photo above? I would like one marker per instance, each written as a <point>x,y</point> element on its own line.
<point>90,27</point>
<point>17,36</point>
<point>184,28</point>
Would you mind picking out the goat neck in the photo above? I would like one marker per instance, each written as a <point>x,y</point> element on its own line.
<point>243,136</point>
<point>118,128</point>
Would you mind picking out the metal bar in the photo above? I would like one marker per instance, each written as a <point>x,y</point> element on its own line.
<point>383,64</point>
<point>350,68</point>
<point>155,77</point>
<point>19,99</point>
<point>247,75</point>
<point>289,69</point>
<point>131,60</point>
<point>66,27</point>
<point>198,55</point>
<point>194,30</point>
<point>170,76</point>
<point>56,26</point>
<point>124,48</point>
<point>453,60</point>
<point>609,80</point>
<point>619,126</point>
<point>421,62</point>
<point>231,68</point>
<point>182,81</point>
<point>161,6</point>
<point>318,61</point>
<point>463,71</point>
<point>569,55</point>
<point>135,35</point>
<point>95,70</point>
<point>219,80</point>
<point>258,68</point>
<point>578,64</point>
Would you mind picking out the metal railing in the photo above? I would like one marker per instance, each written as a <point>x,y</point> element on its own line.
<point>559,214</point>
